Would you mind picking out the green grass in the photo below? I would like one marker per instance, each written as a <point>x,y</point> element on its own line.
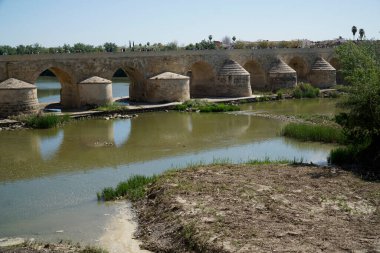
<point>267,161</point>
<point>45,121</point>
<point>203,106</point>
<point>133,189</point>
<point>113,107</point>
<point>318,133</point>
<point>305,90</point>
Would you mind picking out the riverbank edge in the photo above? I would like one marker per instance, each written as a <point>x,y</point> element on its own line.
<point>136,108</point>
<point>171,220</point>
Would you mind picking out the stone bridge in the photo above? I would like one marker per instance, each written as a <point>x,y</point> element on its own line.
<point>202,68</point>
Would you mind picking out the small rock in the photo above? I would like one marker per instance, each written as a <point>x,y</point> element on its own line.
<point>107,118</point>
<point>7,242</point>
<point>208,219</point>
<point>59,231</point>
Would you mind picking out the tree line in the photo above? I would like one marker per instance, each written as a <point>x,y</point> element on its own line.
<point>206,44</point>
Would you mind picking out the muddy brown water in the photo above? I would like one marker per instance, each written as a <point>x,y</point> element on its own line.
<point>49,178</point>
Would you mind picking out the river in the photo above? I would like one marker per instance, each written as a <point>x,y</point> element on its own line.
<point>49,178</point>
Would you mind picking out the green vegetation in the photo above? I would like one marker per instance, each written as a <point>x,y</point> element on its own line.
<point>308,132</point>
<point>361,122</point>
<point>305,90</point>
<point>203,106</point>
<point>133,189</point>
<point>44,121</point>
<point>205,44</point>
<point>343,155</point>
<point>112,107</point>
<point>267,161</point>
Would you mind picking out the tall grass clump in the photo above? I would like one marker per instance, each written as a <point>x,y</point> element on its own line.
<point>308,132</point>
<point>268,161</point>
<point>343,155</point>
<point>45,121</point>
<point>133,189</point>
<point>305,90</point>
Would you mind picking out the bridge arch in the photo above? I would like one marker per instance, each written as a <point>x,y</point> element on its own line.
<point>258,76</point>
<point>120,84</point>
<point>300,66</point>
<point>202,79</point>
<point>68,93</point>
<point>137,81</point>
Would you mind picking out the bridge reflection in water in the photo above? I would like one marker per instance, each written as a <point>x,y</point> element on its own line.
<point>93,144</point>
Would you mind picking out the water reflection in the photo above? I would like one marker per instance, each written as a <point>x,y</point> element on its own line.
<point>121,130</point>
<point>94,144</point>
<point>50,144</point>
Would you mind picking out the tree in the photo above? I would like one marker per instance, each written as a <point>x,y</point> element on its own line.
<point>354,30</point>
<point>226,40</point>
<point>210,38</point>
<point>360,65</point>
<point>361,33</point>
<point>110,47</point>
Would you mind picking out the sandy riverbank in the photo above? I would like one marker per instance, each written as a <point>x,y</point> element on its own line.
<point>260,208</point>
<point>119,233</point>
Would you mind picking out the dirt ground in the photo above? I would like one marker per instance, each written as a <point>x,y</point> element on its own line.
<point>260,208</point>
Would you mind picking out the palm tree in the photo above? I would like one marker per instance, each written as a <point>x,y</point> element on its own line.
<point>354,30</point>
<point>361,33</point>
<point>210,38</point>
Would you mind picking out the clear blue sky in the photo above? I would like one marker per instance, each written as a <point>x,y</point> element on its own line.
<point>55,22</point>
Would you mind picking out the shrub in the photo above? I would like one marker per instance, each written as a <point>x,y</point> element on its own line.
<point>305,90</point>
<point>45,121</point>
<point>308,132</point>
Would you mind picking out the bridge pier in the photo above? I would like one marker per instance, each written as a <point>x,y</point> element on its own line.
<point>95,91</point>
<point>282,76</point>
<point>322,74</point>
